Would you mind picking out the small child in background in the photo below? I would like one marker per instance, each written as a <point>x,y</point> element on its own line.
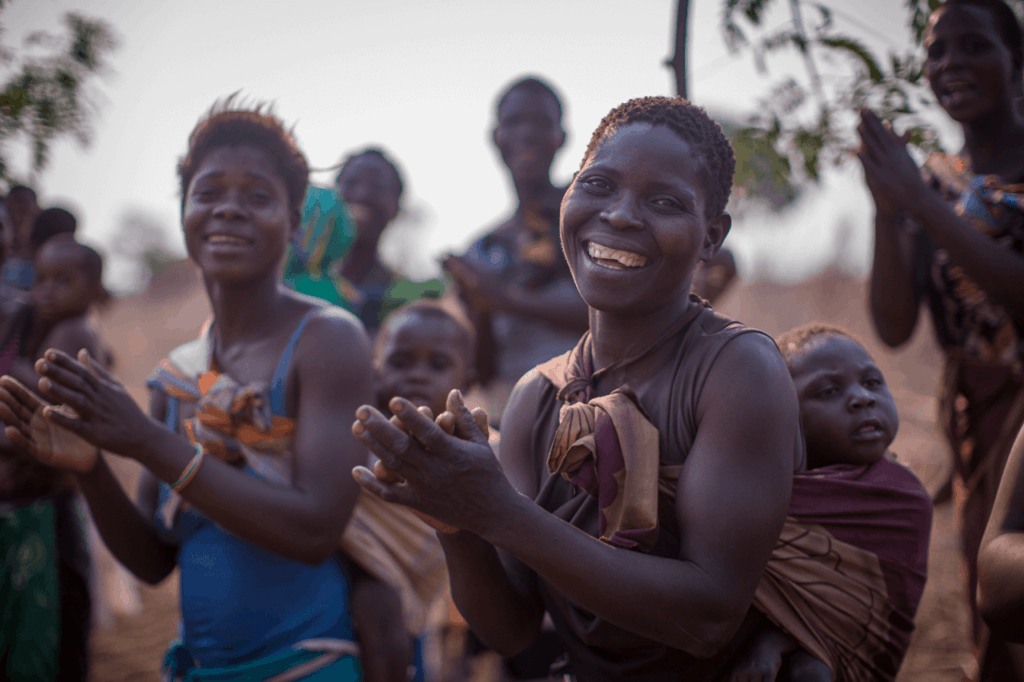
<point>67,282</point>
<point>422,351</point>
<point>845,580</point>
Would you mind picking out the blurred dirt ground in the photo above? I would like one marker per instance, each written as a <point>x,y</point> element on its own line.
<point>141,329</point>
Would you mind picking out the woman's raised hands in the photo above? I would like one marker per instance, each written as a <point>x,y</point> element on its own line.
<point>29,430</point>
<point>443,468</point>
<point>889,171</point>
<point>94,405</point>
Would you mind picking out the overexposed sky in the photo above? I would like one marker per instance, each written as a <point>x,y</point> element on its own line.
<point>419,79</point>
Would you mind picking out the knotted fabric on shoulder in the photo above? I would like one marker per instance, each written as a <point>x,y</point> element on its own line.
<point>237,424</point>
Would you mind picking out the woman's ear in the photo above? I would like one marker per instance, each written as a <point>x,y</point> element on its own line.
<point>717,230</point>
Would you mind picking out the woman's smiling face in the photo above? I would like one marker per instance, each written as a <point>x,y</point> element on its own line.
<point>968,66</point>
<point>236,218</point>
<point>633,221</point>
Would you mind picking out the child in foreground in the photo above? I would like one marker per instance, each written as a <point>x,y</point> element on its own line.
<point>845,580</point>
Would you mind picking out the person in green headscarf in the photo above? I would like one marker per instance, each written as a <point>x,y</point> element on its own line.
<point>335,257</point>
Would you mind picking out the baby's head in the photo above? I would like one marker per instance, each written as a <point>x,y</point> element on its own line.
<point>69,279</point>
<point>848,414</point>
<point>424,350</point>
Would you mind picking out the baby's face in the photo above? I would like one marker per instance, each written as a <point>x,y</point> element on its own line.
<point>61,289</point>
<point>848,414</point>
<point>422,359</point>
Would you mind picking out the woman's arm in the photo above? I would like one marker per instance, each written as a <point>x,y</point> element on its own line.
<point>560,307</point>
<point>302,522</point>
<point>494,592</point>
<point>731,504</point>
<point>126,530</point>
<point>896,183</point>
<point>1001,559</point>
<point>997,271</point>
<point>894,303</point>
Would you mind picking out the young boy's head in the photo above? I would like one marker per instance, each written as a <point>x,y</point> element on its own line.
<point>371,186</point>
<point>848,414</point>
<point>529,130</point>
<point>69,278</point>
<point>424,350</point>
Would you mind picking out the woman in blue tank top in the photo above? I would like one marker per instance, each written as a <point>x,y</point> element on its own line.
<point>246,484</point>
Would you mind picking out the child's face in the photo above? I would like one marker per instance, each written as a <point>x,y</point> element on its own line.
<point>848,414</point>
<point>633,221</point>
<point>421,359</point>
<point>529,134</point>
<point>61,288</point>
<point>236,219</point>
<point>370,192</point>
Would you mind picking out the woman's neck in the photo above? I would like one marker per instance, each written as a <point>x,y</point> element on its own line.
<point>616,337</point>
<point>243,311</point>
<point>993,142</point>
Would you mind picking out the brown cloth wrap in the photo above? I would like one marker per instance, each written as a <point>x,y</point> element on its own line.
<point>850,606</point>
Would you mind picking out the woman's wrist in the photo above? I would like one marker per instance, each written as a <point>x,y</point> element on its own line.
<point>142,447</point>
<point>496,523</point>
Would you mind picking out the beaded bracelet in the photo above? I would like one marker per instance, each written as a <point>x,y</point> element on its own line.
<point>190,471</point>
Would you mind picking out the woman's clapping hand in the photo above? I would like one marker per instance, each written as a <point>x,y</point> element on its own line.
<point>443,468</point>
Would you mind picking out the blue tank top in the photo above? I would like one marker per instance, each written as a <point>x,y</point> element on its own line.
<point>240,602</point>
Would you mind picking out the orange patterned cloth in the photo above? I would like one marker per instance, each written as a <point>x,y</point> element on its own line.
<point>235,423</point>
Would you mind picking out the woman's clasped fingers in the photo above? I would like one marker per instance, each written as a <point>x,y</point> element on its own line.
<point>396,448</point>
<point>18,403</point>
<point>65,381</point>
<point>395,491</point>
<point>432,435</point>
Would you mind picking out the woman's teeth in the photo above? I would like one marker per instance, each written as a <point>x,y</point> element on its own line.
<point>607,256</point>
<point>225,239</point>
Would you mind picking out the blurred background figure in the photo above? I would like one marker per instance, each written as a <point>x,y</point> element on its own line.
<point>45,628</point>
<point>336,255</point>
<point>19,217</point>
<point>956,242</point>
<point>514,281</point>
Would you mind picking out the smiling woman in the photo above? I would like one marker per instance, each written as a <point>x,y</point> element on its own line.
<point>644,475</point>
<point>956,242</point>
<point>244,485</point>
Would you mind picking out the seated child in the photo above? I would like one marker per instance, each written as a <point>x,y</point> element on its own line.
<point>67,282</point>
<point>846,577</point>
